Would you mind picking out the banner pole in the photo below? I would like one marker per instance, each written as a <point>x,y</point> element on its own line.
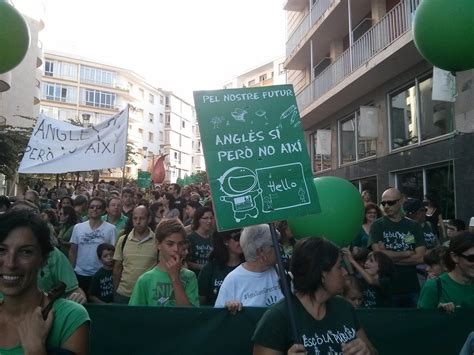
<point>285,287</point>
<point>126,143</point>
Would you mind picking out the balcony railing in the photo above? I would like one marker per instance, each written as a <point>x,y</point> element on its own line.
<point>317,11</point>
<point>392,26</point>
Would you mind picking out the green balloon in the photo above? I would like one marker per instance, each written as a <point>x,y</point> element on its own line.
<point>14,37</point>
<point>341,216</point>
<point>444,33</point>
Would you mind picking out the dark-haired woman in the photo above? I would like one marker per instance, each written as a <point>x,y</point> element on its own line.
<point>372,212</point>
<point>68,219</point>
<point>24,248</point>
<point>327,323</point>
<point>169,211</point>
<point>200,239</point>
<point>454,289</point>
<point>225,257</point>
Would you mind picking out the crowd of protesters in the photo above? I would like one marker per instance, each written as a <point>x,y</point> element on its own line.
<point>161,248</point>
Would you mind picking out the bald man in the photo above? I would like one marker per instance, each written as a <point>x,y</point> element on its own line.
<point>135,254</point>
<point>402,240</point>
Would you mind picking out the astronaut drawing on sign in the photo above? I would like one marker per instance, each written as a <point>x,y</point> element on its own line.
<point>240,186</point>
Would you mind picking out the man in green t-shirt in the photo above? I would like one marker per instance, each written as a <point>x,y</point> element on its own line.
<point>402,240</point>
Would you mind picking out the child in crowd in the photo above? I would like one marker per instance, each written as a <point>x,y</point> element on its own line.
<point>169,283</point>
<point>102,288</point>
<point>376,275</point>
<point>434,262</point>
<point>353,291</point>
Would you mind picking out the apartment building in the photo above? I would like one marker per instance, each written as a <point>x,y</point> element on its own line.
<point>88,92</point>
<point>365,99</point>
<point>269,73</point>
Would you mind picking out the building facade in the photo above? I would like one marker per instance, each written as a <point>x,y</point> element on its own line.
<point>366,101</point>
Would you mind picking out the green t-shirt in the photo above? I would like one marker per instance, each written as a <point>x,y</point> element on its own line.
<point>360,239</point>
<point>340,325</point>
<point>451,291</point>
<point>377,296</point>
<point>102,285</point>
<point>399,236</point>
<point>68,316</point>
<point>210,280</point>
<point>119,225</point>
<point>154,288</point>
<point>200,248</point>
<point>57,268</point>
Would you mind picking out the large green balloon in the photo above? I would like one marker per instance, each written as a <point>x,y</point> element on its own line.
<point>444,33</point>
<point>342,212</point>
<point>14,37</point>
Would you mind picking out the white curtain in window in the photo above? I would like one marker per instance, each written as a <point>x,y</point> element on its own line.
<point>368,122</point>
<point>444,86</point>
<point>323,141</point>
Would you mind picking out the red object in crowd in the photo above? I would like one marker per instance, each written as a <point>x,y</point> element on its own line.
<point>158,174</point>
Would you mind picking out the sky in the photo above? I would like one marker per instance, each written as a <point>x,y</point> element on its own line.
<point>176,45</point>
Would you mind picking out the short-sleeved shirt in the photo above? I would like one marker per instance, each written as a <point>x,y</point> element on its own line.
<point>210,280</point>
<point>137,257</point>
<point>68,317</point>
<point>154,288</point>
<point>451,291</point>
<point>399,236</point>
<point>252,289</point>
<point>431,239</point>
<point>102,285</point>
<point>87,241</point>
<point>57,268</point>
<point>199,249</point>
<point>377,296</point>
<point>325,336</point>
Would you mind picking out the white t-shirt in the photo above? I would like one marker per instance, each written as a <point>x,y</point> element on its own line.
<point>87,241</point>
<point>252,289</point>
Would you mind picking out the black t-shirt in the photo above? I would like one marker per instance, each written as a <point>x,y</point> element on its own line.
<point>102,285</point>
<point>210,280</point>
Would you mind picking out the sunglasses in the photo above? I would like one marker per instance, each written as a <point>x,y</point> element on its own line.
<point>469,258</point>
<point>389,203</point>
<point>235,237</point>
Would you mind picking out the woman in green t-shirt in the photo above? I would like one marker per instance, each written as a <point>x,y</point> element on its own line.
<point>326,323</point>
<point>24,248</point>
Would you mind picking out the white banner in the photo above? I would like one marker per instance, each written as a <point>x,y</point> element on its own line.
<point>58,147</point>
<point>444,86</point>
<point>323,141</point>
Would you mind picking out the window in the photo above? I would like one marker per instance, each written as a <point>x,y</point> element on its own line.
<point>68,71</point>
<point>151,98</point>
<point>59,92</point>
<point>167,100</point>
<point>198,144</point>
<point>150,137</point>
<point>183,124</point>
<point>415,117</point>
<point>98,76</point>
<point>437,181</point>
<point>180,140</point>
<point>141,92</point>
<point>48,68</point>
<point>161,118</point>
<point>167,119</point>
<point>151,117</point>
<point>161,99</point>
<point>140,130</point>
<point>161,135</point>
<point>97,98</point>
<point>369,184</point>
<point>262,77</point>
<point>251,83</point>
<point>321,149</point>
<point>358,135</point>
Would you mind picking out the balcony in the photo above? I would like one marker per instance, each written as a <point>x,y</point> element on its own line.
<point>295,5</point>
<point>352,64</point>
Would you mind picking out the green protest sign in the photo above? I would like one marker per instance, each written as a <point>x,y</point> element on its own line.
<point>144,179</point>
<point>256,158</point>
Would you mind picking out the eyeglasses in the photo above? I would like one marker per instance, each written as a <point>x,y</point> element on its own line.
<point>389,203</point>
<point>469,258</point>
<point>95,207</point>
